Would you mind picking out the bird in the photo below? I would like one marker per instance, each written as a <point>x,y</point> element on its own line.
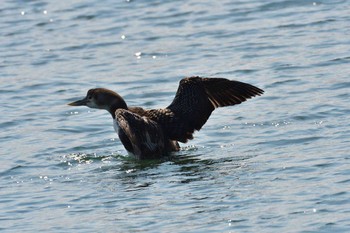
<point>154,133</point>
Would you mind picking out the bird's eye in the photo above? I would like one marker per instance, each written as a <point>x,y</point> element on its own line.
<point>89,97</point>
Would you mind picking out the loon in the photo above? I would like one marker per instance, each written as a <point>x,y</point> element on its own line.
<point>153,133</point>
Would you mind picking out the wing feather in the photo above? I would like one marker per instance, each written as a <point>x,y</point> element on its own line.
<point>195,100</point>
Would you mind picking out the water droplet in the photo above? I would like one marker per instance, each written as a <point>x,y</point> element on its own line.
<point>154,57</point>
<point>138,55</point>
<point>45,12</point>
<point>123,37</point>
<point>23,12</point>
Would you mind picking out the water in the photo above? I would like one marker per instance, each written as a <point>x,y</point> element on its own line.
<point>277,163</point>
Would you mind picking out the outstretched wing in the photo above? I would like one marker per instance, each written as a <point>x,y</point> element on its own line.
<point>140,135</point>
<point>197,97</point>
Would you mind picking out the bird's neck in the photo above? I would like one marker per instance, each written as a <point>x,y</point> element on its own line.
<point>118,103</point>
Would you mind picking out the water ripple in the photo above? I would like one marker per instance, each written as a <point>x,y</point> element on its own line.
<point>63,165</point>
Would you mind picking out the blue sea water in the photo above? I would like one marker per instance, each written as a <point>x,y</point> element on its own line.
<point>276,163</point>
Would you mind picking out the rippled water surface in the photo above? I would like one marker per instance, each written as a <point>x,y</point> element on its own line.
<point>276,163</point>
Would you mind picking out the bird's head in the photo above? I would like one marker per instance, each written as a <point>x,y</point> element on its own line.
<point>102,98</point>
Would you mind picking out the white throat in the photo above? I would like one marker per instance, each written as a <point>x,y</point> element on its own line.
<point>116,126</point>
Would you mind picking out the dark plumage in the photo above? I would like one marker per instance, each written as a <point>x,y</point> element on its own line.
<point>153,133</point>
